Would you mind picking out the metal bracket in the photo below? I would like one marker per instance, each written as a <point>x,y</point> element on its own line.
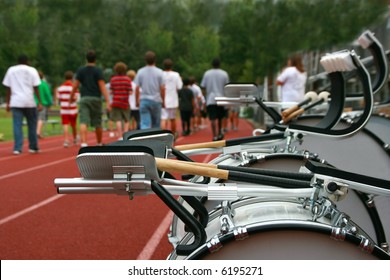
<point>226,218</point>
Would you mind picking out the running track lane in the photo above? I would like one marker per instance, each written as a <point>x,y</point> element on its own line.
<point>37,223</point>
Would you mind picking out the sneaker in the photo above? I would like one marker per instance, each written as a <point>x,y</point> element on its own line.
<point>17,152</point>
<point>82,145</point>
<point>111,135</point>
<point>33,151</point>
<point>66,144</point>
<point>220,137</point>
<point>215,138</point>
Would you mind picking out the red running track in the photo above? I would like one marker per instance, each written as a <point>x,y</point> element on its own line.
<point>36,223</point>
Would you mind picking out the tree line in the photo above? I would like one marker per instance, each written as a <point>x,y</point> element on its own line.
<point>252,37</point>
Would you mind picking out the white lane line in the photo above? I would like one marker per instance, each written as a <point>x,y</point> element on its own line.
<point>37,205</point>
<point>35,168</point>
<point>151,246</point>
<point>30,209</point>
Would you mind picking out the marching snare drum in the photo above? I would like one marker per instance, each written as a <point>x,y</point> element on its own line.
<point>352,204</point>
<point>341,153</point>
<point>266,229</point>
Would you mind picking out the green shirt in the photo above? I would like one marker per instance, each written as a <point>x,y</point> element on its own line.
<point>45,94</point>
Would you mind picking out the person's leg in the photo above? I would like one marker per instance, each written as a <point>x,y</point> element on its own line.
<point>73,124</point>
<point>221,117</point>
<point>17,123</point>
<point>65,129</point>
<point>173,126</point>
<point>137,119</point>
<point>172,120</point>
<point>126,120</point>
<point>83,134</point>
<point>188,122</point>
<point>99,135</point>
<point>213,116</point>
<point>85,120</point>
<point>119,128</point>
<point>42,117</point>
<point>145,117</point>
<point>155,112</point>
<point>32,120</point>
<point>164,118</point>
<point>96,118</point>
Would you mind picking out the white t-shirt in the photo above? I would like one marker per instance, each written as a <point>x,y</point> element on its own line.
<point>199,98</point>
<point>22,79</point>
<point>132,101</point>
<point>294,81</point>
<point>173,83</point>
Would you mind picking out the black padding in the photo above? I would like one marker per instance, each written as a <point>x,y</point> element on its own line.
<point>252,139</point>
<point>326,170</point>
<point>158,147</point>
<point>144,132</point>
<point>117,149</point>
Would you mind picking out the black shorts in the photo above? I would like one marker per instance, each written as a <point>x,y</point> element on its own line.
<point>215,112</point>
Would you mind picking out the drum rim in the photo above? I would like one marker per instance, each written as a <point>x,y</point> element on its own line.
<point>284,224</point>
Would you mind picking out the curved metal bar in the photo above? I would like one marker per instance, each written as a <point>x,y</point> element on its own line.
<point>200,210</point>
<point>204,250</point>
<point>374,215</point>
<point>337,103</point>
<point>189,220</point>
<point>379,60</point>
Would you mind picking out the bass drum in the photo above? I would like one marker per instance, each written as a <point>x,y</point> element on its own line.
<point>366,217</point>
<point>281,230</point>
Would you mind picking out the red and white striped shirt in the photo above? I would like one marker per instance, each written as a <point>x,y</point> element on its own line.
<point>63,93</point>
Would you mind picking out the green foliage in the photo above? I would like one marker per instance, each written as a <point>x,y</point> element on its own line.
<point>252,37</point>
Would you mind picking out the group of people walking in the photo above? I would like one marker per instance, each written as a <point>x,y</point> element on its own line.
<point>152,98</point>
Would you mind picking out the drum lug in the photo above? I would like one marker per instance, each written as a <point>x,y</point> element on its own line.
<point>338,234</point>
<point>214,244</point>
<point>385,247</point>
<point>240,233</point>
<point>366,245</point>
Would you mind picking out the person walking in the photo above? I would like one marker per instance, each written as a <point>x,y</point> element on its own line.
<point>293,80</point>
<point>213,83</point>
<point>134,110</point>
<point>150,92</point>
<point>68,108</point>
<point>21,82</point>
<point>186,106</point>
<point>200,104</point>
<point>47,101</point>
<point>173,83</point>
<point>93,86</point>
<point>120,86</point>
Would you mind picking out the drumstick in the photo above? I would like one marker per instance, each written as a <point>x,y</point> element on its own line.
<point>230,142</point>
<point>311,96</point>
<point>170,165</point>
<point>322,97</point>
<point>261,171</point>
